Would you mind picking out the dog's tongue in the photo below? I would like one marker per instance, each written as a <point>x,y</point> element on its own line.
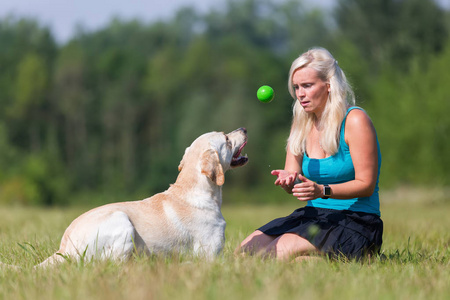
<point>240,150</point>
<point>239,160</point>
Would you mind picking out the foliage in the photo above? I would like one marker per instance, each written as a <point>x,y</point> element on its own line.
<point>417,106</point>
<point>387,32</point>
<point>111,111</point>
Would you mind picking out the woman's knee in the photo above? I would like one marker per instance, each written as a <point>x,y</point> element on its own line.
<point>255,242</point>
<point>290,245</point>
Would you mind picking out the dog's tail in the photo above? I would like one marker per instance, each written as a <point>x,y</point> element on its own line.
<point>56,258</point>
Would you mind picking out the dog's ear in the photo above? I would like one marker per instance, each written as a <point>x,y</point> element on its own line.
<point>181,165</point>
<point>211,167</point>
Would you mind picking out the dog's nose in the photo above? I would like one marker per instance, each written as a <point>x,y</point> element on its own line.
<point>243,129</point>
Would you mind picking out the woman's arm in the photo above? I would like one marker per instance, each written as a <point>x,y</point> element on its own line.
<point>361,138</point>
<point>292,167</point>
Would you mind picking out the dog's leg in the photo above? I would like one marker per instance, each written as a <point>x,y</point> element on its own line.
<point>112,238</point>
<point>208,249</point>
<point>116,238</point>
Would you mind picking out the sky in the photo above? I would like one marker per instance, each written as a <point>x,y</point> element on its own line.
<point>62,16</point>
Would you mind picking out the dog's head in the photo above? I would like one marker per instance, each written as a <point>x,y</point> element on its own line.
<point>215,153</point>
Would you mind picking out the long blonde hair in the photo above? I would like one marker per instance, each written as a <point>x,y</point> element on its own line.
<point>340,97</point>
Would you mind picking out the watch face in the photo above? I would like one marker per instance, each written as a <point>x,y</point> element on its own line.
<point>327,191</point>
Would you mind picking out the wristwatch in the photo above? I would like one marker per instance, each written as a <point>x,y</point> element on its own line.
<point>326,191</point>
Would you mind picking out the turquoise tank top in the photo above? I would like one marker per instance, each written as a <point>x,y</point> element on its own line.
<point>337,169</point>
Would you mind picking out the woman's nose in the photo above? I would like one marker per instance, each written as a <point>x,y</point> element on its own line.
<point>300,92</point>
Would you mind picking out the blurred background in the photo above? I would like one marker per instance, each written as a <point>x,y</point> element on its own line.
<point>103,112</point>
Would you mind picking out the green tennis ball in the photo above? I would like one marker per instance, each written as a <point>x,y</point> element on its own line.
<point>265,94</point>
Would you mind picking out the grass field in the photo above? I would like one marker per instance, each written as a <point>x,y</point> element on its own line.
<point>416,263</point>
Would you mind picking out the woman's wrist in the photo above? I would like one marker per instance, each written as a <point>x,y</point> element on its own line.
<point>288,189</point>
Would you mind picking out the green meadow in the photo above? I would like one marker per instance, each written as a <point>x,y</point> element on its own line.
<point>415,260</point>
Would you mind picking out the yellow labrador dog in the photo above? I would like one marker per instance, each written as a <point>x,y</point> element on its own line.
<point>185,218</point>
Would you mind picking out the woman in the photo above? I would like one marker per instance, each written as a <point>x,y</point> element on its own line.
<point>332,162</point>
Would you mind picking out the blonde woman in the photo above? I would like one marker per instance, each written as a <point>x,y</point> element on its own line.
<point>332,162</point>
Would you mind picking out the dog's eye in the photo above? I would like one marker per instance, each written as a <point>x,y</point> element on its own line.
<point>228,141</point>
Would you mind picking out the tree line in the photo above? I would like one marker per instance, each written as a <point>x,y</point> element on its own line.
<point>109,113</point>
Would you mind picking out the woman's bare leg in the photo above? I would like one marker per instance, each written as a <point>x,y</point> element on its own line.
<point>255,243</point>
<point>290,245</point>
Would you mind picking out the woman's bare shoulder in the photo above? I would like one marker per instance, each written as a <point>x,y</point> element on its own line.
<point>357,118</point>
<point>358,126</point>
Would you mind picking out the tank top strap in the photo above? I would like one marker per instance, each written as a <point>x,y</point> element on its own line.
<point>346,114</point>
<point>342,134</point>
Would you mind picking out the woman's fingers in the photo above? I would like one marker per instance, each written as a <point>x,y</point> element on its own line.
<point>284,177</point>
<point>306,190</point>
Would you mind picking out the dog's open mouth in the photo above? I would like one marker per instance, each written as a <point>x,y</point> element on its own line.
<point>238,160</point>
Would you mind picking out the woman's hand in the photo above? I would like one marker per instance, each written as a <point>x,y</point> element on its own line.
<point>307,189</point>
<point>285,179</point>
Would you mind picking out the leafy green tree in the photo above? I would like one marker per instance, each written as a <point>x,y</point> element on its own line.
<point>72,101</point>
<point>111,112</point>
<point>391,32</point>
<point>410,112</point>
<point>31,89</point>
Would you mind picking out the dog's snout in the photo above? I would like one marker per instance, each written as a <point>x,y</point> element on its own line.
<point>242,130</point>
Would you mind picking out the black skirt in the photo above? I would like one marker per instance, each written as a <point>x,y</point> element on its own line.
<point>334,232</point>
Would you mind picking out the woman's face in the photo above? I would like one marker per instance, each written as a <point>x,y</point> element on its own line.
<point>311,91</point>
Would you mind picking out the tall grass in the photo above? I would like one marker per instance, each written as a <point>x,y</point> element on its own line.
<point>415,262</point>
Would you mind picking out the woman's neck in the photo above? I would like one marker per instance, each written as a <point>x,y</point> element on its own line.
<point>318,122</point>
